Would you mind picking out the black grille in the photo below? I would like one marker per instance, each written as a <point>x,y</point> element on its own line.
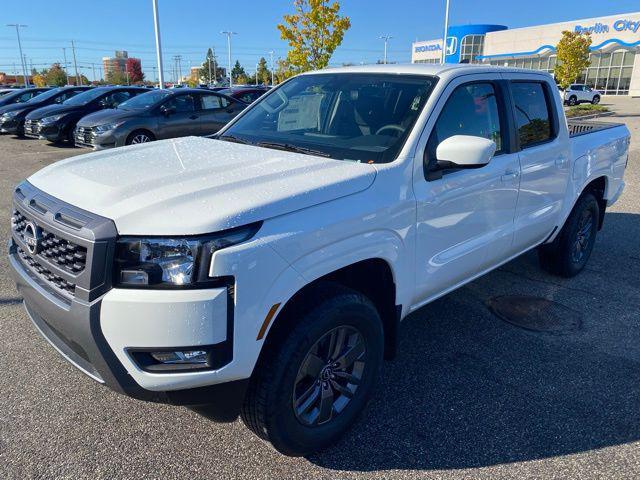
<point>31,127</point>
<point>84,135</point>
<point>63,253</point>
<point>51,278</point>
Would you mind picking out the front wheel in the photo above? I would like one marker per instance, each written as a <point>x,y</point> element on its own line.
<point>569,253</point>
<point>139,136</point>
<point>318,378</point>
<point>596,100</point>
<point>573,100</point>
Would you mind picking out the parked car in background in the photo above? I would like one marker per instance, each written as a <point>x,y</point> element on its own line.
<point>245,94</point>
<point>265,272</point>
<point>57,122</point>
<point>14,95</point>
<point>155,115</point>
<point>12,117</point>
<point>580,93</point>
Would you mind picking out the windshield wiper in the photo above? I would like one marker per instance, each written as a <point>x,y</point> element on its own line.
<point>231,138</point>
<point>293,148</point>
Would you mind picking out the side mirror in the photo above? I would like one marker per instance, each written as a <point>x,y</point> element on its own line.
<point>166,111</point>
<point>466,150</point>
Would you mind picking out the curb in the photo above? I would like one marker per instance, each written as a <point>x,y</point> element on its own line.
<point>591,116</point>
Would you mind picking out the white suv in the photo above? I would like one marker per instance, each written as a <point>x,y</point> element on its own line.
<point>580,93</point>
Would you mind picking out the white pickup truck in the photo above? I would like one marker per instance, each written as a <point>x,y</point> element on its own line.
<point>265,272</point>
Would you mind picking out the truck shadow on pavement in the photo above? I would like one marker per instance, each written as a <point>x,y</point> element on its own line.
<point>468,390</point>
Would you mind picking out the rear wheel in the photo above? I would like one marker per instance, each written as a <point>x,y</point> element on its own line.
<point>568,254</point>
<point>139,136</point>
<point>315,381</point>
<point>596,100</point>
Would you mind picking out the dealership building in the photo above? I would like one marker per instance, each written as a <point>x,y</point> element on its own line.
<point>615,49</point>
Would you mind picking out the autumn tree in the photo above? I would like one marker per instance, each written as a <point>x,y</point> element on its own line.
<point>38,80</point>
<point>55,76</point>
<point>573,57</point>
<point>313,32</point>
<point>134,68</point>
<point>263,72</point>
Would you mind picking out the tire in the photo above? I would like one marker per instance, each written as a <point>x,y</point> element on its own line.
<point>573,100</point>
<point>284,375</point>
<point>568,254</point>
<point>595,100</point>
<point>20,130</point>
<point>139,136</point>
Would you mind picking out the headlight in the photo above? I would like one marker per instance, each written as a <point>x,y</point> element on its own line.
<point>172,262</point>
<point>106,127</point>
<point>9,115</point>
<point>52,118</point>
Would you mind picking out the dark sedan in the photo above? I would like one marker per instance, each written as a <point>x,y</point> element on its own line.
<point>12,117</point>
<point>21,95</point>
<point>245,94</point>
<point>156,115</point>
<point>57,122</point>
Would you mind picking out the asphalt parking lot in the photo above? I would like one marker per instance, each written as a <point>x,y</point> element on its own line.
<point>469,396</point>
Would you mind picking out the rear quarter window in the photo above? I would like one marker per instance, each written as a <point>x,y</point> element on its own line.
<point>533,113</point>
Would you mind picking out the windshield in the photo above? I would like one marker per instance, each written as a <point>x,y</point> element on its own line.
<point>46,95</point>
<point>85,97</point>
<point>361,117</point>
<point>144,100</point>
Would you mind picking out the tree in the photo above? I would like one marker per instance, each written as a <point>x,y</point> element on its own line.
<point>116,77</point>
<point>238,73</point>
<point>283,71</point>
<point>313,32</point>
<point>39,80</point>
<point>573,57</point>
<point>263,73</point>
<point>210,62</point>
<point>56,76</point>
<point>134,68</point>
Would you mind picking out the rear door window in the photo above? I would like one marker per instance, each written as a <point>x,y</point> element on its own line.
<point>182,103</point>
<point>533,113</point>
<point>213,102</point>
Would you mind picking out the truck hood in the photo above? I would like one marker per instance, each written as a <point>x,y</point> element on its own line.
<point>197,185</point>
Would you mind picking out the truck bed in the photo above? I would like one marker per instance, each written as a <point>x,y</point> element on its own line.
<point>582,127</point>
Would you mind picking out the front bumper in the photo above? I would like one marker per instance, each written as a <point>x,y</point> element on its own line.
<point>48,131</point>
<point>96,333</point>
<point>9,126</point>
<point>97,141</point>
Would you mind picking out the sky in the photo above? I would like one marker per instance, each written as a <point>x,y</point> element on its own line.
<point>189,27</point>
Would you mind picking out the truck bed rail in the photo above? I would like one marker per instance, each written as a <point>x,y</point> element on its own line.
<point>582,127</point>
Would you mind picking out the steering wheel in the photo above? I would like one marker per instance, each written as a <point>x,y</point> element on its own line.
<point>391,126</point>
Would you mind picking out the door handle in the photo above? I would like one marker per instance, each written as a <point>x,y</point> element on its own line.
<point>509,175</point>
<point>560,161</point>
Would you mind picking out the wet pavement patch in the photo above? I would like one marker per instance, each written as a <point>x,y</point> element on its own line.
<point>536,314</point>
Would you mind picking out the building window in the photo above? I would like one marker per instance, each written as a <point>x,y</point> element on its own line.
<point>609,72</point>
<point>470,47</point>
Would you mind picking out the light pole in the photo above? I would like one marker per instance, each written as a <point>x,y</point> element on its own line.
<point>271,54</point>
<point>446,29</point>
<point>66,71</point>
<point>386,39</point>
<point>24,67</point>
<point>75,63</point>
<point>228,33</point>
<point>156,24</point>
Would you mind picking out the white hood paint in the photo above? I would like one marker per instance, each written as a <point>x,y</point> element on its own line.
<point>197,185</point>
